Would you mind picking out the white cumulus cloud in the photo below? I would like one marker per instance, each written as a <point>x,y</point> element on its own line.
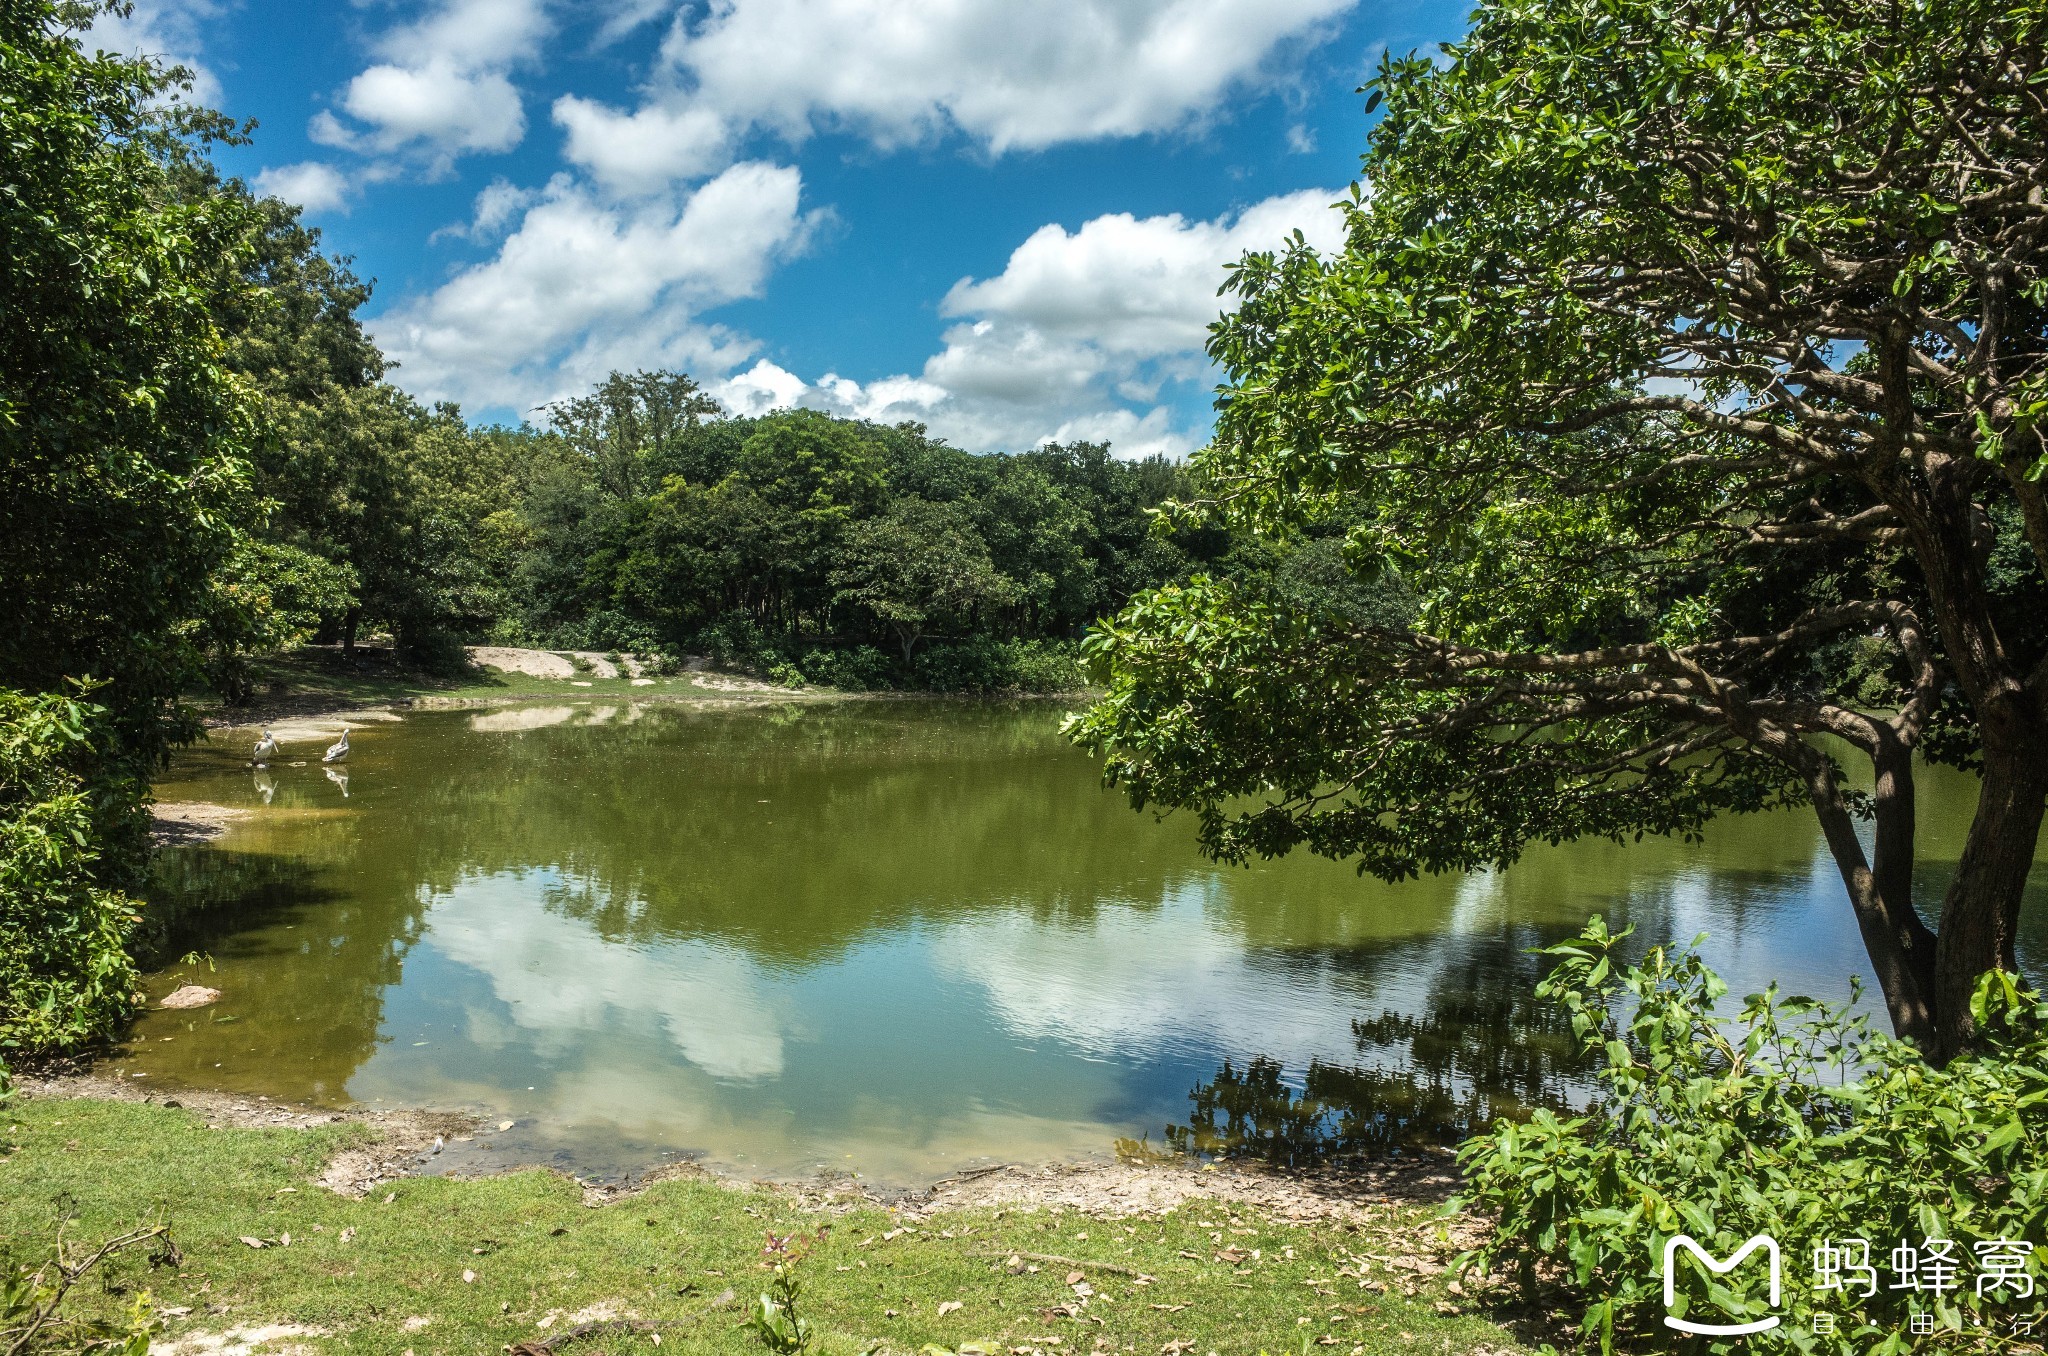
<point>1077,338</point>
<point>313,185</point>
<point>643,150</point>
<point>584,285</point>
<point>1008,76</point>
<point>444,87</point>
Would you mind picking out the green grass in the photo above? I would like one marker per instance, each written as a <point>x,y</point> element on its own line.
<point>663,1254</point>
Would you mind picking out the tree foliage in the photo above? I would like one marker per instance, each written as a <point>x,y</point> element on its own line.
<point>920,566</point>
<point>1684,363</point>
<point>68,824</point>
<point>122,430</point>
<point>1792,1120</point>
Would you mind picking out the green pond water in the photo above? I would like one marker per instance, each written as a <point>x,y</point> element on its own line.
<point>892,938</point>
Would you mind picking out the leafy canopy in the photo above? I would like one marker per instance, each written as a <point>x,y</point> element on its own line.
<point>122,433</point>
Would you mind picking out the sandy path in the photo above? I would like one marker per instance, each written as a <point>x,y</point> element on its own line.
<point>532,663</point>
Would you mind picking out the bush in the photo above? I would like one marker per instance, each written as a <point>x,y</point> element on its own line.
<point>861,669</point>
<point>984,664</point>
<point>70,833</point>
<point>734,642</point>
<point>1793,1119</point>
<point>1046,666</point>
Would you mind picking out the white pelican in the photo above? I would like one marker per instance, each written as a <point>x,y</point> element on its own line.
<point>336,751</point>
<point>266,748</point>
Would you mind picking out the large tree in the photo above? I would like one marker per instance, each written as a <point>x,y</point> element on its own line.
<point>920,567</point>
<point>1688,360</point>
<point>122,433</point>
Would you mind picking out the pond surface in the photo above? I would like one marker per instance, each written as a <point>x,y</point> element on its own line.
<point>894,938</point>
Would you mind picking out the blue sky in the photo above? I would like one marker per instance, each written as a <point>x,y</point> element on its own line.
<point>1004,220</point>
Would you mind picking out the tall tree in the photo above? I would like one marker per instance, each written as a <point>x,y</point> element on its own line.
<point>631,427</point>
<point>122,433</point>
<point>919,567</point>
<point>1689,360</point>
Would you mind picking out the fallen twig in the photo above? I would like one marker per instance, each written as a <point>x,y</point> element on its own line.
<point>1077,1263</point>
<point>971,1174</point>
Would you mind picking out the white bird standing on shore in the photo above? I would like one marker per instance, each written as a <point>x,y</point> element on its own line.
<point>266,748</point>
<point>336,751</point>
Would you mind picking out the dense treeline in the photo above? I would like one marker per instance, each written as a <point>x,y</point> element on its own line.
<point>640,517</point>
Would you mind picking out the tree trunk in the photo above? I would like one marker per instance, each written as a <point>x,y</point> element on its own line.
<point>1902,951</point>
<point>1980,916</point>
<point>349,622</point>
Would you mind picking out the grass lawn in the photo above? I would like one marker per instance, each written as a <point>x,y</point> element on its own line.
<point>437,1265</point>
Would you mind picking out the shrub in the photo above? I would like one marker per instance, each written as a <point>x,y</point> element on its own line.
<point>1793,1119</point>
<point>861,669</point>
<point>783,672</point>
<point>733,642</point>
<point>1045,666</point>
<point>984,664</point>
<point>70,832</point>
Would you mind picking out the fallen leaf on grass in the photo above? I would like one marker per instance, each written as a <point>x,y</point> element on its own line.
<point>468,1277</point>
<point>176,1311</point>
<point>254,1241</point>
<point>1170,1308</point>
<point>1083,1289</point>
<point>285,1241</point>
<point>948,1306</point>
<point>1232,1254</point>
<point>348,1234</point>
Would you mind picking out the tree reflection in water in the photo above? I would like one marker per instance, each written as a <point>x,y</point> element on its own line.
<point>1485,1048</point>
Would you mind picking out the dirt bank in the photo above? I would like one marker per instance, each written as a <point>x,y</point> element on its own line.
<point>409,1142</point>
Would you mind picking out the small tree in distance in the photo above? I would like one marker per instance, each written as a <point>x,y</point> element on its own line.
<point>1688,362</point>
